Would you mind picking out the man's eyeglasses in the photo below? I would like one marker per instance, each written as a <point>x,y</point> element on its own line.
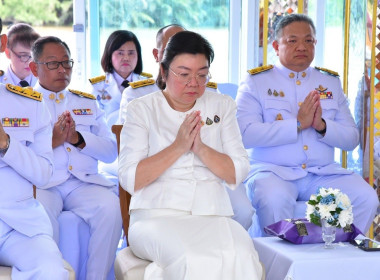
<point>185,78</point>
<point>23,58</point>
<point>52,65</point>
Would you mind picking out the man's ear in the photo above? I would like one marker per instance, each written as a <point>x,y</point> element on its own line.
<point>155,54</point>
<point>3,41</point>
<point>7,53</point>
<point>275,46</point>
<point>33,68</point>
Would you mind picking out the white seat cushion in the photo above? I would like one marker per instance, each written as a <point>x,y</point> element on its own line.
<point>128,266</point>
<point>5,273</point>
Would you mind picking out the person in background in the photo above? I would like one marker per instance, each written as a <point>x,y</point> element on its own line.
<point>20,39</point>
<point>180,148</point>
<point>80,139</point>
<point>122,64</point>
<point>141,88</point>
<point>26,158</point>
<point>291,128</point>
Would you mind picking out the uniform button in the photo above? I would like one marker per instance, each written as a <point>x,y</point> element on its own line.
<point>303,74</point>
<point>70,167</point>
<point>68,149</point>
<point>299,104</point>
<point>51,96</point>
<point>303,166</point>
<point>305,147</point>
<point>298,82</point>
<point>291,75</point>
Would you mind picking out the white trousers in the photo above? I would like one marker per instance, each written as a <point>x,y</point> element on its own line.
<point>99,207</point>
<point>275,198</point>
<point>36,257</point>
<point>188,247</point>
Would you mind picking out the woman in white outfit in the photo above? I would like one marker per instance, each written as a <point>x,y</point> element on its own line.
<point>180,146</point>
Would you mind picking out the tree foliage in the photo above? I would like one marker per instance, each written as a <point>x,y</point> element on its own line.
<point>36,12</point>
<point>158,13</point>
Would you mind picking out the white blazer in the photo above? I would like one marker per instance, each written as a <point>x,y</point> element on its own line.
<point>151,125</point>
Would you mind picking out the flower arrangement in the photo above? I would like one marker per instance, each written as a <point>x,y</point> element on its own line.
<point>332,205</point>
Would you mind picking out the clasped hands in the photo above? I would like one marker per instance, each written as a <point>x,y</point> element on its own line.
<point>188,136</point>
<point>310,112</point>
<point>64,130</point>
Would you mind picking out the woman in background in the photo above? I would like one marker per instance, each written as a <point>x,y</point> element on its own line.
<point>122,64</point>
<point>180,146</point>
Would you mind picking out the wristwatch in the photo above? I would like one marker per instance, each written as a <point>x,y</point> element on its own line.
<point>323,131</point>
<point>4,150</point>
<point>80,140</point>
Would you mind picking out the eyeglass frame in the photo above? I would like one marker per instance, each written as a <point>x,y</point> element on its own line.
<point>193,76</point>
<point>20,56</point>
<point>58,63</point>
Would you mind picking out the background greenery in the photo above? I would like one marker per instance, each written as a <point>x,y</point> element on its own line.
<point>37,12</point>
<point>155,14</point>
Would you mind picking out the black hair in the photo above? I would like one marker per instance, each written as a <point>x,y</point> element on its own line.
<point>38,45</point>
<point>185,42</point>
<point>288,19</point>
<point>114,42</point>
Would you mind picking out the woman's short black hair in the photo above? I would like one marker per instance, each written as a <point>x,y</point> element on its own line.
<point>114,42</point>
<point>185,42</point>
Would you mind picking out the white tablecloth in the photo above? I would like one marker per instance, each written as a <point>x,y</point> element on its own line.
<point>286,261</point>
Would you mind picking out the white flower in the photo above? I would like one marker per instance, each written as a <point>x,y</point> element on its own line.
<point>345,217</point>
<point>325,210</point>
<point>343,201</point>
<point>312,197</point>
<point>309,210</point>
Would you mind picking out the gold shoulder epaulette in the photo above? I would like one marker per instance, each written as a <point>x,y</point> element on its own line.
<point>212,85</point>
<point>142,83</point>
<point>144,74</point>
<point>25,91</point>
<point>82,94</point>
<point>1,73</point>
<point>260,69</point>
<point>97,79</point>
<point>328,71</point>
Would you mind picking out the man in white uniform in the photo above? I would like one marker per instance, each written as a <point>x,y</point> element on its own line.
<point>291,117</point>
<point>80,139</point>
<point>20,39</point>
<point>26,157</point>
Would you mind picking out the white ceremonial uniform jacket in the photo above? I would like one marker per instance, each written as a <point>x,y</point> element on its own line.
<point>268,104</point>
<point>108,94</point>
<point>131,93</point>
<point>100,142</point>
<point>28,162</point>
<point>152,125</point>
<point>10,77</point>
